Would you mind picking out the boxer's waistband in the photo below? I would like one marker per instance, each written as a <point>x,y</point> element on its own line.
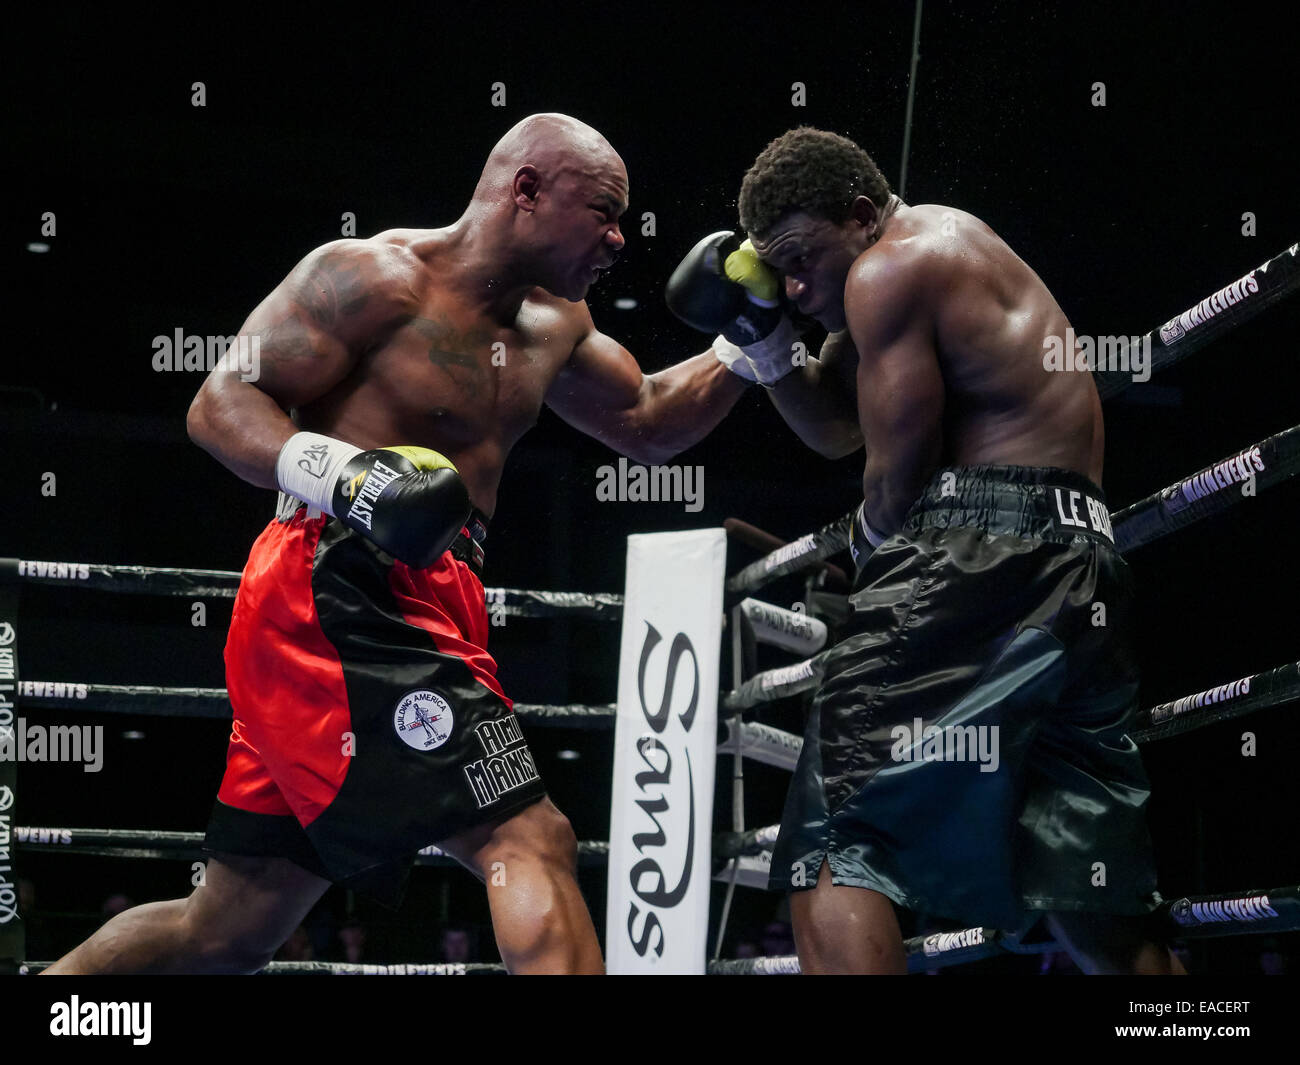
<point>1033,502</point>
<point>1036,502</point>
<point>468,545</point>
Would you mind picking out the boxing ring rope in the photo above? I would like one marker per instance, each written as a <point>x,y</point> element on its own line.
<point>1212,317</point>
<point>762,743</point>
<point>1257,692</point>
<point>799,554</point>
<point>773,685</point>
<point>1244,696</point>
<point>161,701</point>
<point>1255,912</point>
<point>1174,507</point>
<point>1266,464</point>
<point>766,543</point>
<point>156,843</point>
<point>223,584</point>
<point>343,968</point>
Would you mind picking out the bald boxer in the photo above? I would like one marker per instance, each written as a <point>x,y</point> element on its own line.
<point>396,375</point>
<point>967,753</point>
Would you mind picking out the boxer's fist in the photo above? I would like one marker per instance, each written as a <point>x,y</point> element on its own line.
<point>722,285</point>
<point>744,267</point>
<point>408,501</point>
<point>699,291</point>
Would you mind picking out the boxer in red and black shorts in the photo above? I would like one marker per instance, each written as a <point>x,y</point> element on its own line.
<point>368,720</point>
<point>396,373</point>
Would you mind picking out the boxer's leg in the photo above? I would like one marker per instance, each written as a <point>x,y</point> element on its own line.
<point>247,906</point>
<point>845,930</point>
<point>233,923</point>
<point>529,864</point>
<point>1090,784</point>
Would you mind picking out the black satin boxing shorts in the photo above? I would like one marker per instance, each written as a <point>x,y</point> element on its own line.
<point>967,753</point>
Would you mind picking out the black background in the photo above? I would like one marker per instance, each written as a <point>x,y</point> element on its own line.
<point>171,216</point>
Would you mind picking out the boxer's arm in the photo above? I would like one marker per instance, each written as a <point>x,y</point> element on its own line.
<point>900,385</point>
<point>311,330</point>
<point>648,417</point>
<point>817,401</point>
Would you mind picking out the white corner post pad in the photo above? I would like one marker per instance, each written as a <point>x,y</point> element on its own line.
<point>665,754</point>
<point>309,466</point>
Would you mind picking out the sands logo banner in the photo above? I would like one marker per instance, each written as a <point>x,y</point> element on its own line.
<point>665,753</point>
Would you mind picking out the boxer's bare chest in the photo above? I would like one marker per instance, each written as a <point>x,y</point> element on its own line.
<point>458,379</point>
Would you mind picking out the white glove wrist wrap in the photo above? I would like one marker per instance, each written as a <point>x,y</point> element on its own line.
<point>309,465</point>
<point>733,358</point>
<point>771,358</point>
<point>874,538</point>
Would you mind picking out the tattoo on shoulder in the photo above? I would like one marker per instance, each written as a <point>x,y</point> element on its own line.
<point>286,341</point>
<point>335,289</point>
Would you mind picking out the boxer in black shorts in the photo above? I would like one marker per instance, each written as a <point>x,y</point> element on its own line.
<point>966,753</point>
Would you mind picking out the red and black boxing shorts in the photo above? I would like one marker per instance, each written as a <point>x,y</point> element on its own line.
<point>368,720</point>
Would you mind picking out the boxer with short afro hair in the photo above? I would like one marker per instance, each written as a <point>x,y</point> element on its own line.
<point>809,170</point>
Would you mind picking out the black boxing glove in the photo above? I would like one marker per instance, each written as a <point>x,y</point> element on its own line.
<point>408,501</point>
<point>723,285</point>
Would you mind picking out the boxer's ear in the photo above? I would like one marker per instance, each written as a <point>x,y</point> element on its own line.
<point>527,187</point>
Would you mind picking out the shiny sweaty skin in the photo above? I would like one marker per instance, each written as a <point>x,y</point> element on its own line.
<point>371,342</point>
<point>935,356</point>
<point>453,338</point>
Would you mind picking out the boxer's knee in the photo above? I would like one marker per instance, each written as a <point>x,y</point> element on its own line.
<point>213,947</point>
<point>557,844</point>
<point>245,909</point>
<point>537,836</point>
<point>840,929</point>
